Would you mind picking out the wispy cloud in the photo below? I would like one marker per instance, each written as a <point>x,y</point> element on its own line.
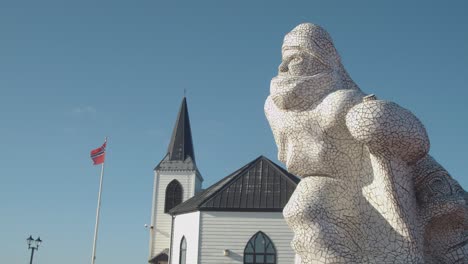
<point>84,110</point>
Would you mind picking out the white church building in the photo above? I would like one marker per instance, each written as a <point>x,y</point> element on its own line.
<point>236,220</point>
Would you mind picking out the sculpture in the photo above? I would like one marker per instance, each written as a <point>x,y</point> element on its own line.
<point>369,193</point>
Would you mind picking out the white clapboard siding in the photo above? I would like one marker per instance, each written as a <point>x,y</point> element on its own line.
<point>232,231</point>
<point>186,225</point>
<point>161,222</point>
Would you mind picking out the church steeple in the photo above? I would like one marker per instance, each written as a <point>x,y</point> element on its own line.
<point>176,179</point>
<point>181,145</point>
<point>180,153</point>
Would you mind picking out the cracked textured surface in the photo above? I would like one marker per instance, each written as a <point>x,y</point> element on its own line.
<point>369,193</point>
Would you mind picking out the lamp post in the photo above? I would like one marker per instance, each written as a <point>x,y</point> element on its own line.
<point>33,245</point>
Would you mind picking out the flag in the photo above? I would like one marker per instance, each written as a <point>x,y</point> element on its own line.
<point>98,155</point>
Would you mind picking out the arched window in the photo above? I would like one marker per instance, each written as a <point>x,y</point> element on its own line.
<point>173,195</point>
<point>183,251</point>
<point>260,250</point>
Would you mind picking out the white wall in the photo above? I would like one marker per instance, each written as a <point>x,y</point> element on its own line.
<point>160,234</point>
<point>186,225</point>
<point>232,230</point>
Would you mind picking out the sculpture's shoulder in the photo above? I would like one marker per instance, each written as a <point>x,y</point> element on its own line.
<point>341,100</point>
<point>385,126</point>
<point>331,112</point>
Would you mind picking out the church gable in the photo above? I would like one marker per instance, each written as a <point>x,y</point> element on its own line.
<point>261,185</point>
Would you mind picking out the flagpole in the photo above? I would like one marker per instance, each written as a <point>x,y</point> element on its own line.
<point>93,259</point>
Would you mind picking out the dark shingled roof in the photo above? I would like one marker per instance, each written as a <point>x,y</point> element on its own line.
<point>162,256</point>
<point>180,153</point>
<point>261,185</point>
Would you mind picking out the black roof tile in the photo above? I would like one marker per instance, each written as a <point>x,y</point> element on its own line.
<point>261,185</point>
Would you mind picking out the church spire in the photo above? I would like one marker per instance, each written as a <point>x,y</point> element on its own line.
<point>181,145</point>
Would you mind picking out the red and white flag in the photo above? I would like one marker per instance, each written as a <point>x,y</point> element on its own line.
<point>98,155</point>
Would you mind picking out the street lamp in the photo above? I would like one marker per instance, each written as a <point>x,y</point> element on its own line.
<point>33,245</point>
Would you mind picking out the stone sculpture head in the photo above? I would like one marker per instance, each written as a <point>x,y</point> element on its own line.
<point>311,68</point>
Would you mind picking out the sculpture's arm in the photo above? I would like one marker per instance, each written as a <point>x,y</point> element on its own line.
<point>396,139</point>
<point>278,121</point>
<point>398,146</point>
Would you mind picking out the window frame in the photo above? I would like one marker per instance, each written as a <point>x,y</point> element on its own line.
<point>174,188</point>
<point>183,242</point>
<point>267,242</point>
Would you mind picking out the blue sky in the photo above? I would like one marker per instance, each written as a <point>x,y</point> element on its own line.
<point>72,72</point>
